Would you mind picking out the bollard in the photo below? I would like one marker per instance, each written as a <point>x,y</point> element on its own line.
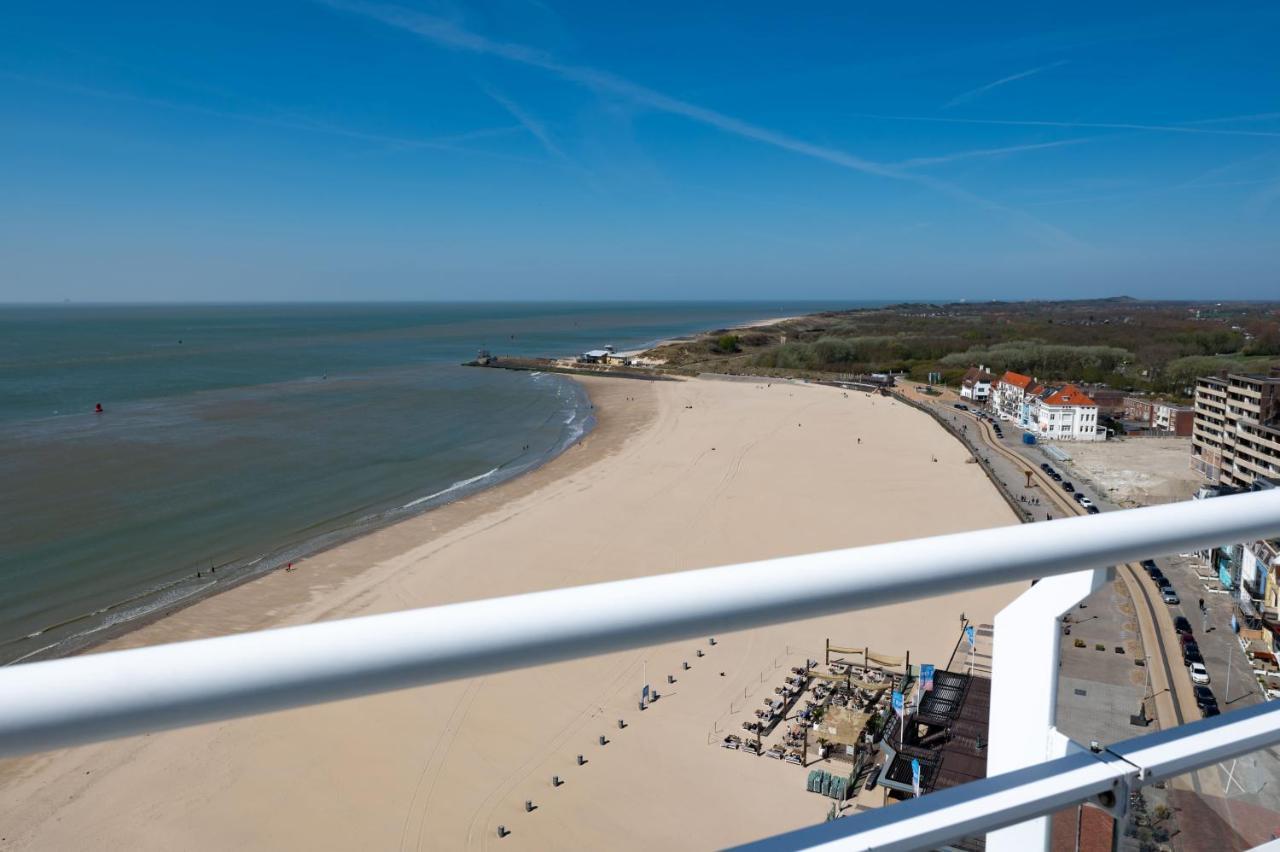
<point>686,665</point>
<point>502,831</point>
<point>603,740</point>
<point>641,705</point>
<point>555,781</point>
<point>699,652</point>
<point>671,678</point>
<point>712,640</point>
<point>581,760</point>
<point>528,805</point>
<point>621,724</point>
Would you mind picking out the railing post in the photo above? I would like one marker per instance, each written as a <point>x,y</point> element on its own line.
<point>1024,689</point>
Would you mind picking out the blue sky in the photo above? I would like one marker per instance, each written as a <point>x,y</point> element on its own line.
<point>523,149</point>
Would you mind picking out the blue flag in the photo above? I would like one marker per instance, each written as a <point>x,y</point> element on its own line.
<point>915,775</point>
<point>897,702</point>
<point>969,634</point>
<point>926,677</point>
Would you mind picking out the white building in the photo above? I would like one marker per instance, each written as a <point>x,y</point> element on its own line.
<point>1067,414</point>
<point>976,384</point>
<point>1014,398</point>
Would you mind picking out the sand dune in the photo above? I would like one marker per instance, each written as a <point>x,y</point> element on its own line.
<point>679,475</point>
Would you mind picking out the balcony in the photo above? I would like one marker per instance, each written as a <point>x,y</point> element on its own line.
<point>77,700</point>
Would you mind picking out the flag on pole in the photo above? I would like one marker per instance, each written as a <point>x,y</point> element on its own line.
<point>969,634</point>
<point>897,703</point>
<point>926,677</point>
<point>915,776</point>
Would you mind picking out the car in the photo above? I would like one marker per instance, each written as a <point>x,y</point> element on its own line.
<point>1078,496</point>
<point>1162,581</point>
<point>1191,654</point>
<point>1084,501</point>
<point>1068,487</point>
<point>1092,510</point>
<point>1158,575</point>
<point>1185,639</point>
<point>1045,467</point>
<point>1205,712</point>
<point>1055,476</point>
<point>1181,625</point>
<point>1204,695</point>
<point>961,406</point>
<point>1149,564</point>
<point>1199,674</point>
<point>1170,596</point>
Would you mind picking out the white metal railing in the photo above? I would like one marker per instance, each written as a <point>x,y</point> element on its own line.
<point>98,696</point>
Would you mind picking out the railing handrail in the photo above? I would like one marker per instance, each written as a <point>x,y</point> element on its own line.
<point>99,696</point>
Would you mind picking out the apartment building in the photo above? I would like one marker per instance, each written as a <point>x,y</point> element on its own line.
<point>1235,436</point>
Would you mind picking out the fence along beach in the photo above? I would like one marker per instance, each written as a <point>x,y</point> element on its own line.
<point>678,475</point>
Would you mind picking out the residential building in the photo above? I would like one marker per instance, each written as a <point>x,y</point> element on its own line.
<point>1173,419</point>
<point>1109,400</point>
<point>1067,414</point>
<point>1014,398</point>
<point>1235,437</point>
<point>1139,409</point>
<point>1158,416</point>
<point>976,384</point>
<point>1249,572</point>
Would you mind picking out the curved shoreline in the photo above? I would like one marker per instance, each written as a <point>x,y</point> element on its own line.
<point>157,609</point>
<point>182,621</point>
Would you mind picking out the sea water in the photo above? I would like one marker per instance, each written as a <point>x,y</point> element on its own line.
<point>237,438</point>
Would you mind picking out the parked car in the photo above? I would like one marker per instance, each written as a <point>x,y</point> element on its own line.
<point>961,406</point>
<point>1163,582</point>
<point>1158,576</point>
<point>1199,674</point>
<point>1055,476</point>
<point>1170,597</point>
<point>1205,712</point>
<point>1185,639</point>
<point>1045,466</point>
<point>1204,695</point>
<point>1068,487</point>
<point>1092,510</point>
<point>1181,625</point>
<point>1084,501</point>
<point>1078,496</point>
<point>1150,565</point>
<point>1191,654</point>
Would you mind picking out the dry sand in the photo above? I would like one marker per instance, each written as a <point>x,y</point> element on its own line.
<point>1137,471</point>
<point>679,475</point>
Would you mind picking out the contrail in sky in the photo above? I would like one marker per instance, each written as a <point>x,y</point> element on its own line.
<point>448,34</point>
<point>535,127</point>
<point>916,162</point>
<point>1091,125</point>
<point>973,93</point>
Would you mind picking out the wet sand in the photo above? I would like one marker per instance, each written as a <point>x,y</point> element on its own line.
<point>678,475</point>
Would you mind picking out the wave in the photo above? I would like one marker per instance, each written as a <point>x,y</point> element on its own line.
<point>461,483</point>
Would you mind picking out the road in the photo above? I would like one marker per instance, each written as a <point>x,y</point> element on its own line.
<point>1173,699</point>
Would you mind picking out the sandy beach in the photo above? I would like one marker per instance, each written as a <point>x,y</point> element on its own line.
<point>678,475</point>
